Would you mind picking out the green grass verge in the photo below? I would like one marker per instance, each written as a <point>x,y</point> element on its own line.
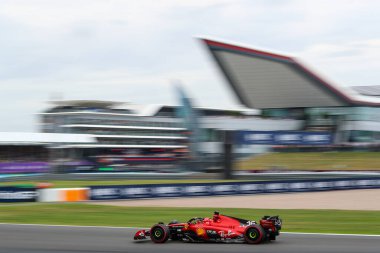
<point>84,183</point>
<point>339,161</point>
<point>323,221</point>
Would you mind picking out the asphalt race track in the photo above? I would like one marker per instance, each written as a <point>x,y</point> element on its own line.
<point>65,239</point>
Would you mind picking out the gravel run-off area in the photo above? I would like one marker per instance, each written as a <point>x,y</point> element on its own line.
<point>339,200</point>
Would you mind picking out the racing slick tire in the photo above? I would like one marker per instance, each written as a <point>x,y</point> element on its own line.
<point>159,233</point>
<point>254,234</point>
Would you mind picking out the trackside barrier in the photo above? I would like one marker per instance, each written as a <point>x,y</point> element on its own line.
<point>233,188</point>
<point>63,194</point>
<point>31,194</point>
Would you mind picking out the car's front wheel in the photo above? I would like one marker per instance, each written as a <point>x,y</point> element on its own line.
<point>159,233</point>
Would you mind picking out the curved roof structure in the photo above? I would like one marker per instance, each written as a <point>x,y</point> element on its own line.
<point>262,79</point>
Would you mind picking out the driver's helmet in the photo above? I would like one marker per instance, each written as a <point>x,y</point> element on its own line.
<point>216,217</point>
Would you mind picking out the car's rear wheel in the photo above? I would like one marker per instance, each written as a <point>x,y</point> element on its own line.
<point>254,234</point>
<point>159,233</point>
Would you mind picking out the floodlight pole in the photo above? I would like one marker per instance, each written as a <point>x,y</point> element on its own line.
<point>228,154</point>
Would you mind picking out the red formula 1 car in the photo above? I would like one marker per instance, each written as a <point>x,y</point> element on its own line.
<point>219,228</point>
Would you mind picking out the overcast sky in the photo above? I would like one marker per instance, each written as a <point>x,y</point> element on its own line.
<point>130,50</point>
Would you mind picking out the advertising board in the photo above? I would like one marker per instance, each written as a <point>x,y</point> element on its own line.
<point>18,194</point>
<point>231,188</point>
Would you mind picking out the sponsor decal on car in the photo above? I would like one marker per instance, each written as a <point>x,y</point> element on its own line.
<point>229,233</point>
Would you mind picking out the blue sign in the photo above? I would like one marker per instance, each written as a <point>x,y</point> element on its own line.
<point>283,138</point>
<point>18,194</point>
<point>232,188</point>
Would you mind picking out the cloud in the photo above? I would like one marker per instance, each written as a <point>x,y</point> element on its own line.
<point>129,50</point>
<point>350,63</point>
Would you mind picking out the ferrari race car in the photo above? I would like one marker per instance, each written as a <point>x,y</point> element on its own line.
<point>219,228</point>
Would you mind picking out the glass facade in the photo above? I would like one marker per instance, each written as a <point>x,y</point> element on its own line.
<point>351,124</point>
<point>357,124</point>
<point>349,113</point>
<point>365,114</point>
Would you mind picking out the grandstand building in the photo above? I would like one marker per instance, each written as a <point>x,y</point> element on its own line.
<point>283,87</point>
<point>22,153</point>
<point>112,126</point>
<point>137,137</point>
<point>125,137</point>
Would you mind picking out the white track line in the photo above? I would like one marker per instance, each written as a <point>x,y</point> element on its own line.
<point>75,226</point>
